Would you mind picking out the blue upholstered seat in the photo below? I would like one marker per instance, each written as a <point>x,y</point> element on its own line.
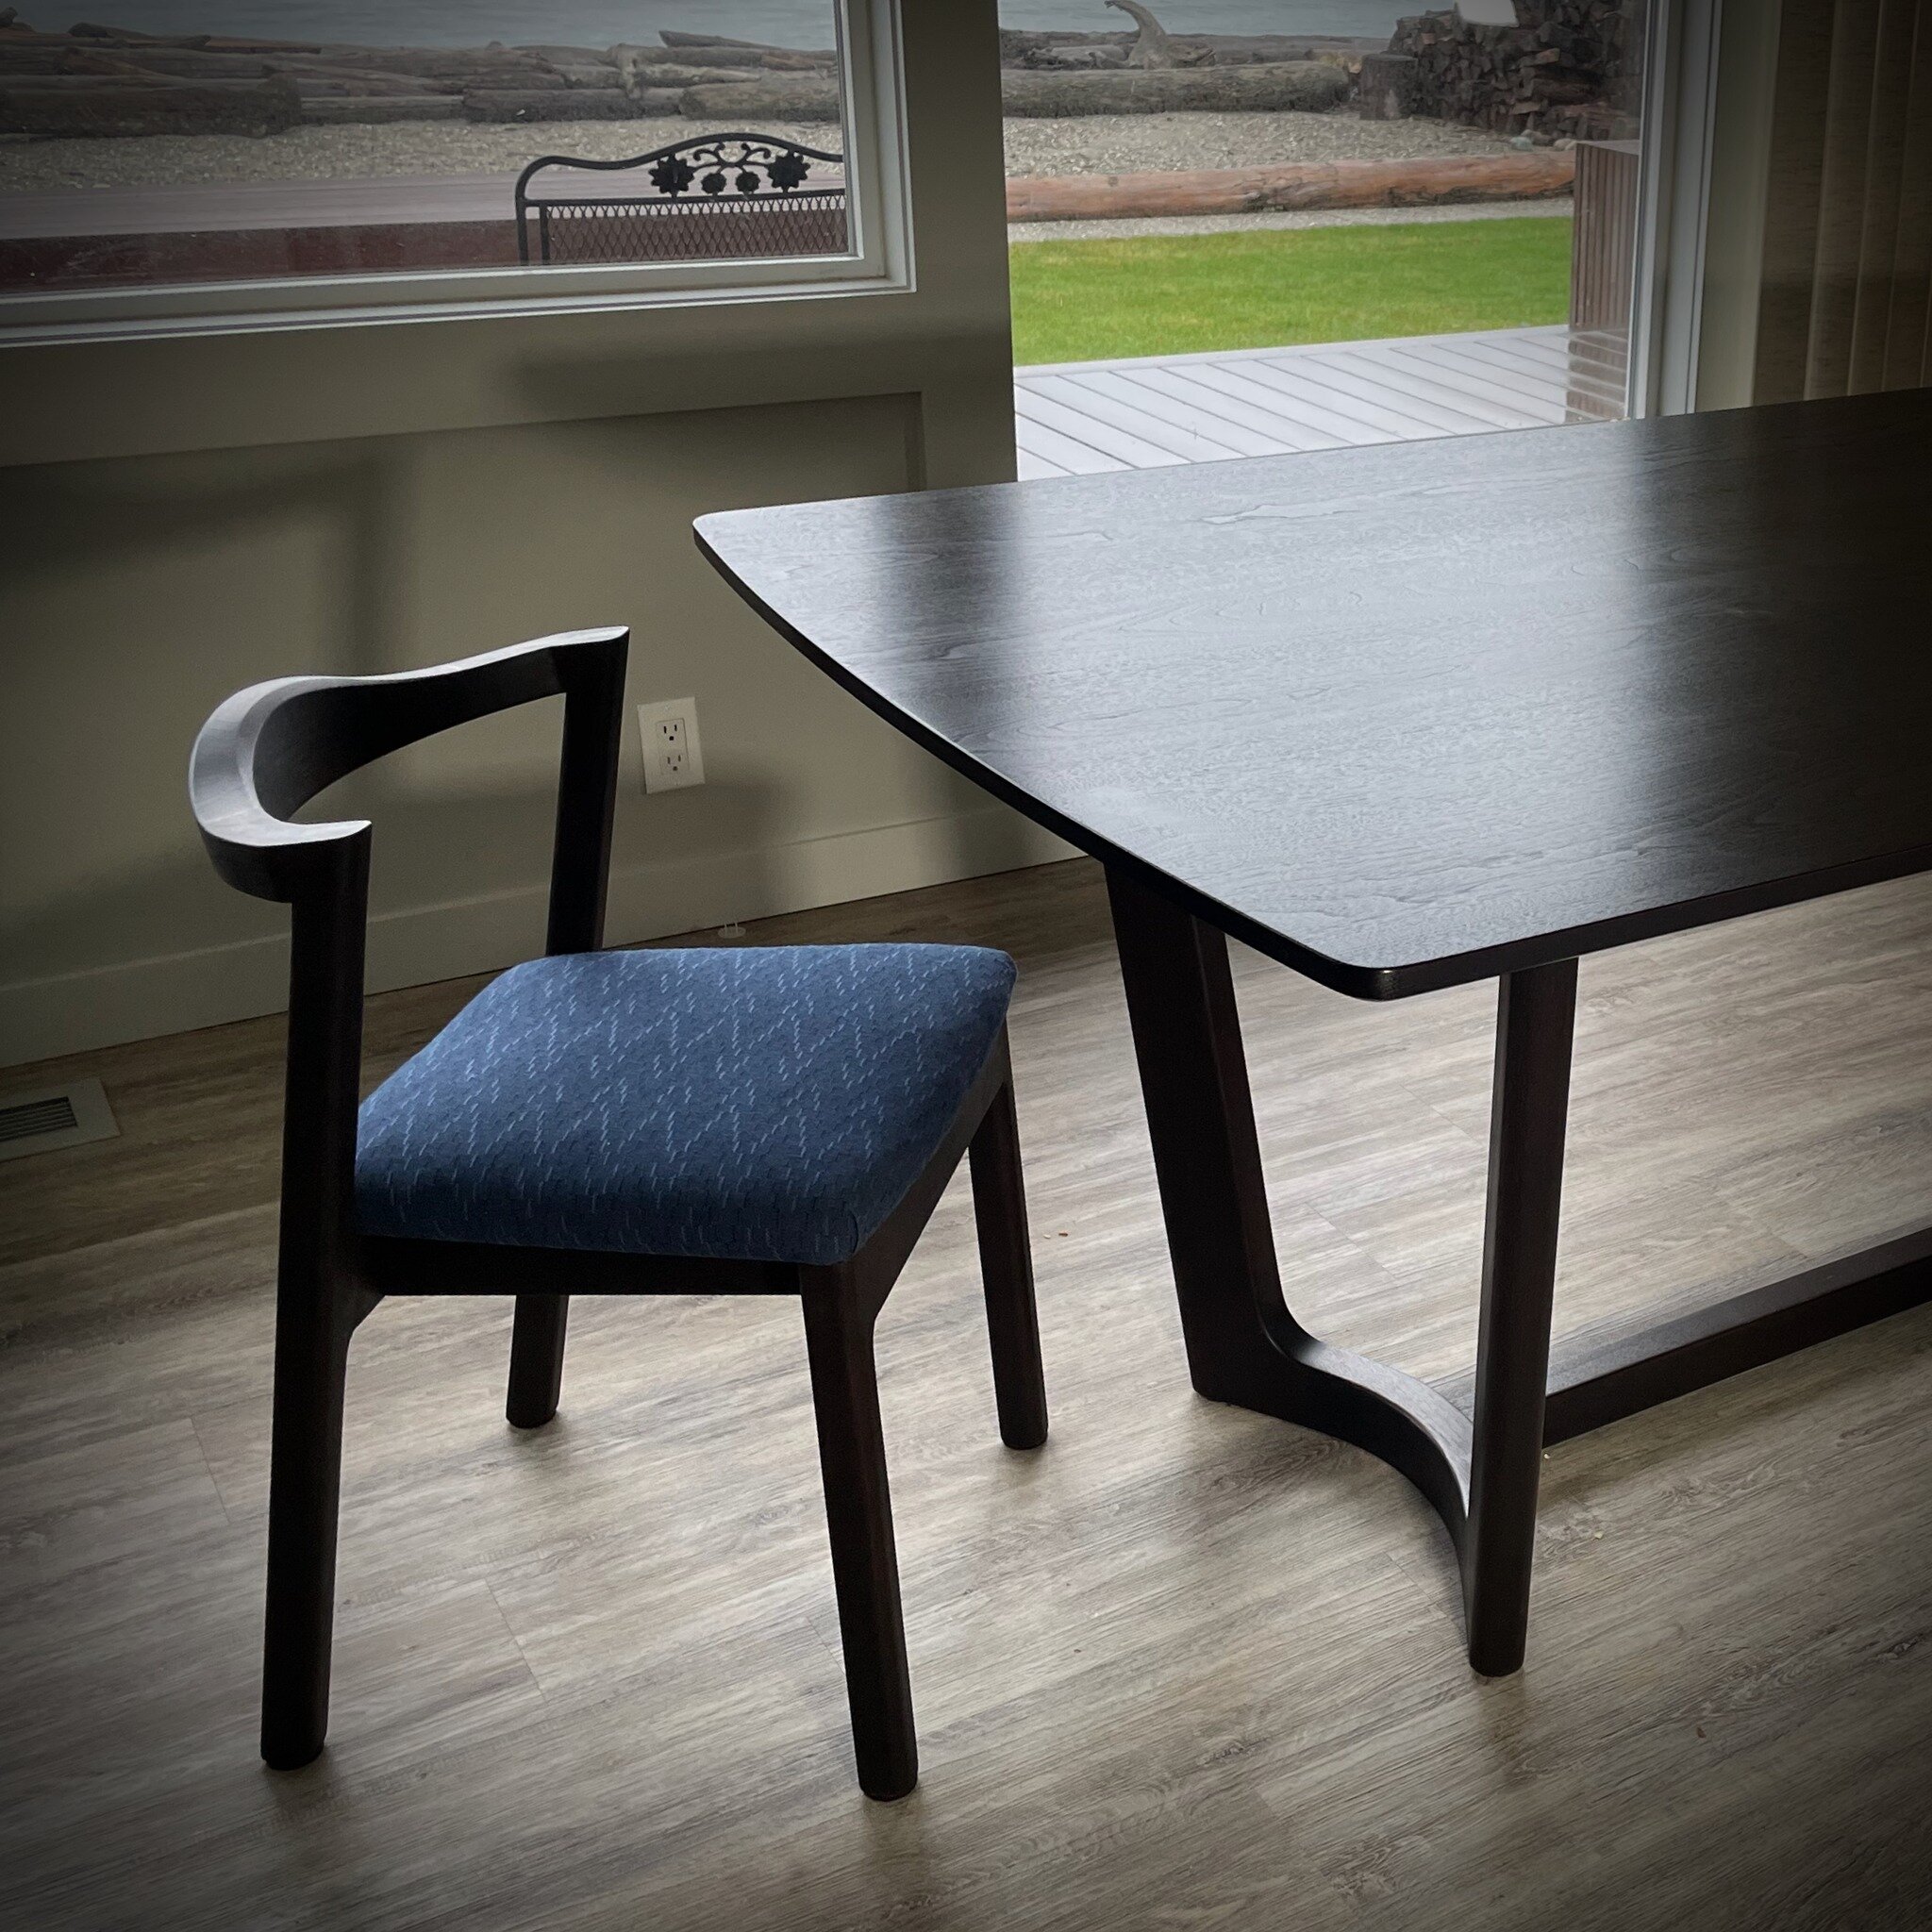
<point>769,1103</point>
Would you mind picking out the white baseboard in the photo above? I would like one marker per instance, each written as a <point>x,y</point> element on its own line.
<point>139,999</point>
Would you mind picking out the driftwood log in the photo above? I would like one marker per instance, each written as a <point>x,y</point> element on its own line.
<point>686,45</point>
<point>775,59</point>
<point>373,110</point>
<point>83,83</point>
<point>678,75</point>
<point>186,63</point>
<point>1311,86</point>
<point>1290,186</point>
<point>44,54</point>
<point>1077,59</point>
<point>560,56</point>
<point>642,71</point>
<point>782,97</point>
<point>1061,48</point>
<point>1152,47</point>
<point>126,107</point>
<point>1028,47</point>
<point>192,78</point>
<point>1248,50</point>
<point>1308,86</point>
<point>86,31</point>
<point>449,66</point>
<point>345,80</point>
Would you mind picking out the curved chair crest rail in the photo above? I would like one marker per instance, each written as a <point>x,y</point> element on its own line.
<point>266,751</point>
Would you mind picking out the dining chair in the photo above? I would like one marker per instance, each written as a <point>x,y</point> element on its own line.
<point>745,1120</point>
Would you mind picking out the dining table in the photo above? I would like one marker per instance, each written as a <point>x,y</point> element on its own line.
<point>1408,717</point>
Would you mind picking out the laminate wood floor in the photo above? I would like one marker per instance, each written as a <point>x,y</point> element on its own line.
<point>1186,1667</point>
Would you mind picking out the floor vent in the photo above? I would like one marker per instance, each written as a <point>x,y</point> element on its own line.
<point>66,1117</point>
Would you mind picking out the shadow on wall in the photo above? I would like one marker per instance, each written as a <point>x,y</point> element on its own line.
<point>466,822</point>
<point>488,913</point>
<point>139,594</point>
<point>108,705</point>
<point>205,573</point>
<point>95,516</point>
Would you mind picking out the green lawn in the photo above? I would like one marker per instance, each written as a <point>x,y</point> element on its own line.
<point>1081,301</point>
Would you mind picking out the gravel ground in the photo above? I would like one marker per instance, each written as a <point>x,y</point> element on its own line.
<point>1100,144</point>
<point>1125,144</point>
<point>1309,218</point>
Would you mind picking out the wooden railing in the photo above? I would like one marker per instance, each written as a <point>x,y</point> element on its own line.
<point>1603,272</point>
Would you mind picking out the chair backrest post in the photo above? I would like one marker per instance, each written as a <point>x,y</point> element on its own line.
<point>586,801</point>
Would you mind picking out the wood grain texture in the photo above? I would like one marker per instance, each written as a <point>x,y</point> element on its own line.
<point>1186,1666</point>
<point>1408,716</point>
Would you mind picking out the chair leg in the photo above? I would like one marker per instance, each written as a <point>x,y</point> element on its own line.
<point>1006,1264</point>
<point>536,1360</point>
<point>304,1489</point>
<point>865,1568</point>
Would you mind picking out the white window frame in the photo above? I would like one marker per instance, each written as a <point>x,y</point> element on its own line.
<point>878,261</point>
<point>1679,117</point>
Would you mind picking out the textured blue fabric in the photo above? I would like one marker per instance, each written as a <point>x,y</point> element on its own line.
<point>769,1103</point>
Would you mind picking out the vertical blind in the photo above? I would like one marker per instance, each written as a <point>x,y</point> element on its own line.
<point>1846,300</point>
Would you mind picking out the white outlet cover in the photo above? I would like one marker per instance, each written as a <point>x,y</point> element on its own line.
<point>659,773</point>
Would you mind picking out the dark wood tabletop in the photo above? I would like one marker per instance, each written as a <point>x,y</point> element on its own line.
<point>1408,716</point>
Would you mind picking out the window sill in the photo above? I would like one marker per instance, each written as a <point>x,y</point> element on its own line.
<point>143,316</point>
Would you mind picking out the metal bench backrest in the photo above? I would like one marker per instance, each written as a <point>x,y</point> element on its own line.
<point>715,197</point>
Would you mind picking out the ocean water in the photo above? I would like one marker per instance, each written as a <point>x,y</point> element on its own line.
<point>605,23</point>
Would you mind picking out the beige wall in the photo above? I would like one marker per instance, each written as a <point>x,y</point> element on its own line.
<point>184,516</point>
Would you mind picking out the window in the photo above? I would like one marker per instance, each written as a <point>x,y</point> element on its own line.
<point>200,162</point>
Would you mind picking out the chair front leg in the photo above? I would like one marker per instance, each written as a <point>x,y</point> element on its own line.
<point>304,1491</point>
<point>1005,1266</point>
<point>536,1360</point>
<point>858,1510</point>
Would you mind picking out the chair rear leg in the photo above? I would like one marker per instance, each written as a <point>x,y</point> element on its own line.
<point>1006,1264</point>
<point>858,1509</point>
<point>304,1491</point>
<point>536,1360</point>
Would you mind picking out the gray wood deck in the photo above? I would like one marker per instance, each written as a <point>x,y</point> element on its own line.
<point>1076,418</point>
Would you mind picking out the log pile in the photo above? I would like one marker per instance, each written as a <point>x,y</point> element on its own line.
<point>1276,87</point>
<point>104,80</point>
<point>1568,69</point>
<point>1068,52</point>
<point>1150,71</point>
<point>107,80</point>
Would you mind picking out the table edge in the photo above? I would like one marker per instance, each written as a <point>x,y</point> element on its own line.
<point>1370,983</point>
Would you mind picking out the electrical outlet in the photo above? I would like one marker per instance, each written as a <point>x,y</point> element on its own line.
<point>673,756</point>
